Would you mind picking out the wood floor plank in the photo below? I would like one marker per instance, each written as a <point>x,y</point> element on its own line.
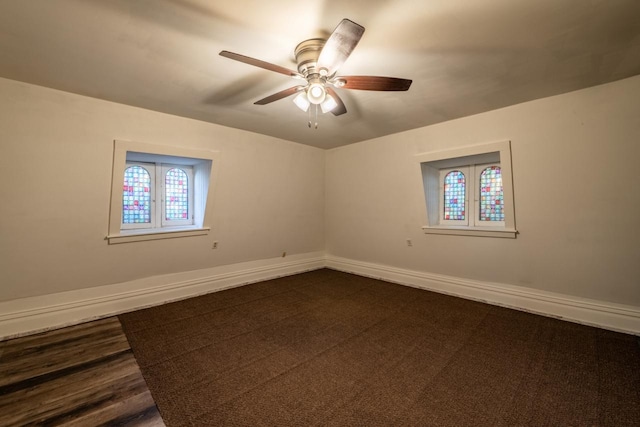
<point>56,335</point>
<point>30,358</point>
<point>25,368</point>
<point>82,375</point>
<point>70,392</point>
<point>139,409</point>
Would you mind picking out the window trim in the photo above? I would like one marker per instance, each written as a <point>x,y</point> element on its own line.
<point>430,165</point>
<point>201,225</point>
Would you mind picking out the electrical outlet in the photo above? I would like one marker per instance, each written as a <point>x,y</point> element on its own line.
<point>409,242</point>
<point>215,245</point>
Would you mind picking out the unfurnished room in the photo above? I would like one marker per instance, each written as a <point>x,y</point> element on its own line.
<point>329,213</point>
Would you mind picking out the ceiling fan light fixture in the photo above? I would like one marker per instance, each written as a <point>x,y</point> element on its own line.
<point>328,104</point>
<point>316,93</point>
<point>318,61</point>
<point>301,101</point>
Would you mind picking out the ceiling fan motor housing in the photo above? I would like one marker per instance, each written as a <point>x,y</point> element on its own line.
<point>307,54</point>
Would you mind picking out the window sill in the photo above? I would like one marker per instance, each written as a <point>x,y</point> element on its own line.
<point>472,231</point>
<point>127,236</point>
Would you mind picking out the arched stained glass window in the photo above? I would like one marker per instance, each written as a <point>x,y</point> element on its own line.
<point>454,196</point>
<point>176,200</point>
<point>136,196</point>
<point>491,195</point>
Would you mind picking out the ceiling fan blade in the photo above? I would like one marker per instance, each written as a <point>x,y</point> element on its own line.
<point>373,83</point>
<point>340,109</point>
<point>339,46</point>
<point>279,95</point>
<point>258,63</point>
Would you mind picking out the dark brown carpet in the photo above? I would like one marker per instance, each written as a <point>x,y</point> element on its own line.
<point>327,348</point>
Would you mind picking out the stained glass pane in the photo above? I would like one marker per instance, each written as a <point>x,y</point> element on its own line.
<point>454,196</point>
<point>176,200</point>
<point>491,196</point>
<point>136,196</point>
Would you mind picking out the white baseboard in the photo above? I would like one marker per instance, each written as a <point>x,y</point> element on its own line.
<point>617,317</point>
<point>36,314</point>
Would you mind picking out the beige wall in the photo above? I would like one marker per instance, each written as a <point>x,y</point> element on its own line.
<point>56,156</point>
<point>576,187</point>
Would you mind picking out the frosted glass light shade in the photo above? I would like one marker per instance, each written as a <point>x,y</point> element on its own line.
<point>328,104</point>
<point>301,101</point>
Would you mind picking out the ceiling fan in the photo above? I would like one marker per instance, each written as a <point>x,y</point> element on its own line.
<point>318,63</point>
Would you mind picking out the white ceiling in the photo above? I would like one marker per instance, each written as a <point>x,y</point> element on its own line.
<point>464,57</point>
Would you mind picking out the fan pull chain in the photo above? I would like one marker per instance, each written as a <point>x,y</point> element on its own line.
<point>315,108</point>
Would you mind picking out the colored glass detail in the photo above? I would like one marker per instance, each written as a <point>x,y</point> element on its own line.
<point>136,196</point>
<point>491,195</point>
<point>454,196</point>
<point>176,200</point>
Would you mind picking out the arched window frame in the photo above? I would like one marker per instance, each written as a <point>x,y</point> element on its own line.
<point>158,172</point>
<point>479,169</point>
<point>150,169</point>
<point>473,195</point>
<point>188,171</point>
<point>443,175</point>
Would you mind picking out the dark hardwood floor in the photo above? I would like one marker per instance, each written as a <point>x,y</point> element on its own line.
<point>83,375</point>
